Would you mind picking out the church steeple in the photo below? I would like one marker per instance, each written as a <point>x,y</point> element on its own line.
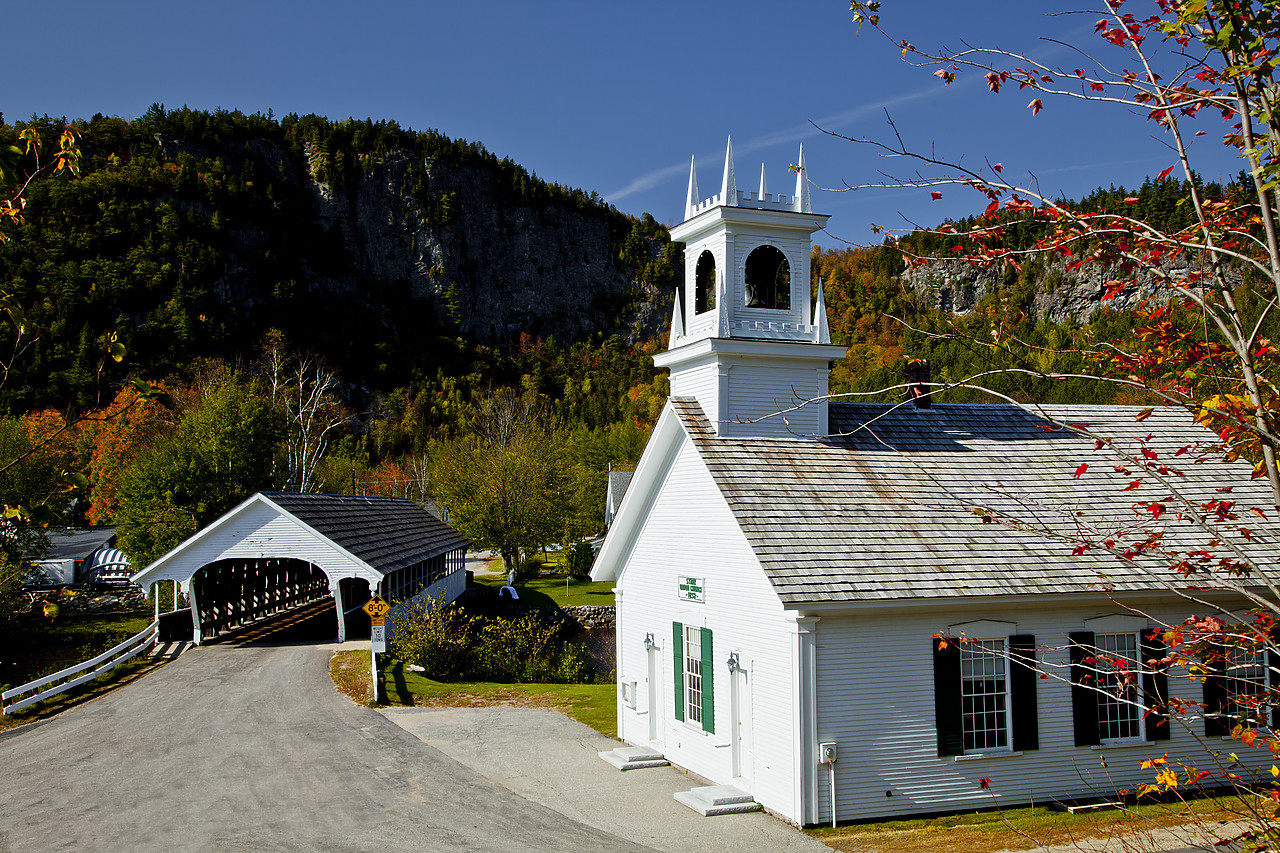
<point>692,198</point>
<point>803,203</point>
<point>747,340</point>
<point>729,183</point>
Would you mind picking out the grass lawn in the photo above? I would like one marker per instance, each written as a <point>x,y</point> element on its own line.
<point>594,705</point>
<point>550,592</point>
<point>33,647</point>
<point>1026,828</point>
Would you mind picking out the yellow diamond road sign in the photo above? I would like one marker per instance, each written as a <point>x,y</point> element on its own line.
<point>376,607</point>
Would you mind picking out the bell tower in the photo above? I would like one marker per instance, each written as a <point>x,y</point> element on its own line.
<point>745,340</point>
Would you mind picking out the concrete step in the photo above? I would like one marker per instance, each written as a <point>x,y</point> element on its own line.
<point>633,757</point>
<point>711,800</point>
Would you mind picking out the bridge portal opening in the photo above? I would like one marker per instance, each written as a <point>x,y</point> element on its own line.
<point>235,593</point>
<point>355,594</point>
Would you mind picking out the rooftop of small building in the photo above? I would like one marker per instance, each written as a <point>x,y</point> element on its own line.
<point>902,503</point>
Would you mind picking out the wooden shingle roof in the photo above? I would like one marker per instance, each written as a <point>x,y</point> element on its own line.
<point>386,533</point>
<point>889,507</point>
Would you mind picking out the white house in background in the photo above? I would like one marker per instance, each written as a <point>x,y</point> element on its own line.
<point>782,579</point>
<point>83,555</point>
<point>616,488</point>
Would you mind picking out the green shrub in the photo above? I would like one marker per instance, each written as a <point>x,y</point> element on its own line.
<point>435,637</point>
<point>529,568</point>
<point>452,646</point>
<point>578,561</point>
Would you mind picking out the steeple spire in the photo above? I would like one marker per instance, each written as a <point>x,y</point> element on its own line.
<point>821,331</point>
<point>677,323</point>
<point>803,203</point>
<point>692,200</point>
<point>729,184</point>
<point>764,187</point>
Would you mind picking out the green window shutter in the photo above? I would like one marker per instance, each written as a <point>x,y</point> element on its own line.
<point>1155,686</point>
<point>947,706</point>
<point>1084,696</point>
<point>677,658</point>
<point>1022,692</point>
<point>708,683</point>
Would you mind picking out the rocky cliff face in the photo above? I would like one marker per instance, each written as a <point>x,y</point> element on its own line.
<point>496,265</point>
<point>1073,297</point>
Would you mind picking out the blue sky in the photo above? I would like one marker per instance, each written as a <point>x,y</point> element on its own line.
<point>611,97</point>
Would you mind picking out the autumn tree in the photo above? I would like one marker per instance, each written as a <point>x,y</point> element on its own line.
<point>129,424</point>
<point>221,453</point>
<point>1202,343</point>
<point>506,485</point>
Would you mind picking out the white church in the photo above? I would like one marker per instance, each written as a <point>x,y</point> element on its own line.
<point>786,566</point>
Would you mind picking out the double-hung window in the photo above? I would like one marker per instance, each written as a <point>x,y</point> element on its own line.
<point>692,674</point>
<point>1238,690</point>
<point>694,670</point>
<point>1116,698</point>
<point>1118,671</point>
<point>1247,680</point>
<point>985,695</point>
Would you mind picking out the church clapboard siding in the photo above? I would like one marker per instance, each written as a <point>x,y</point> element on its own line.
<point>819,556</point>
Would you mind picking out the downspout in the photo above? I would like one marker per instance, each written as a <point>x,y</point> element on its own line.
<point>617,645</point>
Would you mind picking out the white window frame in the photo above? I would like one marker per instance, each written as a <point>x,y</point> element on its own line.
<point>691,660</point>
<point>993,656</point>
<point>1236,665</point>
<point>1105,680</point>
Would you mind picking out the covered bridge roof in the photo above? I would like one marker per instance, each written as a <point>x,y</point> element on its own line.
<point>386,533</point>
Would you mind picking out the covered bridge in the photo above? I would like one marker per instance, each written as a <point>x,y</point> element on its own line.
<point>279,551</point>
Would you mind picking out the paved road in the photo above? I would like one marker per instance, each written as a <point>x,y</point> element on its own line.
<point>250,749</point>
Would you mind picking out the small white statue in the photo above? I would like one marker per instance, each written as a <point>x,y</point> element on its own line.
<point>510,588</point>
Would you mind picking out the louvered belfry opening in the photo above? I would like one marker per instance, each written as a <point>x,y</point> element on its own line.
<point>917,379</point>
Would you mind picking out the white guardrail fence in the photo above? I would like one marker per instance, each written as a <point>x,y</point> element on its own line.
<point>72,676</point>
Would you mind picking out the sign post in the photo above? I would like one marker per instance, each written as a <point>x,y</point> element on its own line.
<point>377,609</point>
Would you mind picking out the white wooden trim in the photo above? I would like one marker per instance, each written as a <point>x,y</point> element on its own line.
<point>1116,623</point>
<point>128,649</point>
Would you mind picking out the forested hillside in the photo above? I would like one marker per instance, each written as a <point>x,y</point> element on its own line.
<point>396,255</point>
<point>1045,317</point>
<point>333,305</point>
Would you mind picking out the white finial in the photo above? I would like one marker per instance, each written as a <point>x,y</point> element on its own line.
<point>821,331</point>
<point>677,324</point>
<point>804,204</point>
<point>691,201</point>
<point>764,187</point>
<point>729,184</point>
